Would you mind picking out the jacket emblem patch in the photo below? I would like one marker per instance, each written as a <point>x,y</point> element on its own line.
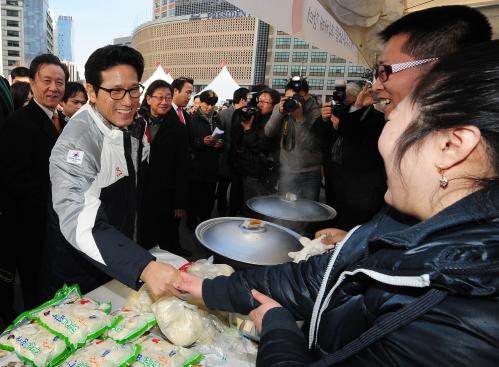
<point>75,157</point>
<point>119,172</point>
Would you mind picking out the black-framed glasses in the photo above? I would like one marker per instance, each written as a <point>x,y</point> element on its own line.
<point>162,98</point>
<point>383,71</point>
<point>119,93</point>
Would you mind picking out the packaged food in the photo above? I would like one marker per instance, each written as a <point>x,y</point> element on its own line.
<point>32,343</point>
<point>103,353</point>
<point>74,318</point>
<point>129,325</point>
<point>205,268</point>
<point>140,300</point>
<point>157,352</point>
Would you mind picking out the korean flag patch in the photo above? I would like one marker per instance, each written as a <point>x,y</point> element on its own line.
<point>75,157</point>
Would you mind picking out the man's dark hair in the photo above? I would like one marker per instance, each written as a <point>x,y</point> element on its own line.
<point>108,56</point>
<point>178,83</point>
<point>275,95</point>
<point>157,84</point>
<point>45,59</point>
<point>209,96</point>
<point>20,92</point>
<point>196,96</point>
<point>462,89</point>
<point>19,71</point>
<point>304,85</point>
<point>72,88</point>
<point>439,31</point>
<point>240,93</point>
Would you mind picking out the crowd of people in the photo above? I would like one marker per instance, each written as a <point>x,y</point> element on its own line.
<point>91,179</point>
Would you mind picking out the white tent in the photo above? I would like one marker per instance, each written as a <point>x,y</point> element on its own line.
<point>223,85</point>
<point>159,73</point>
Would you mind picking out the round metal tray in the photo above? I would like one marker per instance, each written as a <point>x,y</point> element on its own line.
<point>300,210</point>
<point>268,246</point>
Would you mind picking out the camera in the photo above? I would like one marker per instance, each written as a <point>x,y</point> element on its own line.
<point>291,103</point>
<point>251,106</point>
<point>339,96</point>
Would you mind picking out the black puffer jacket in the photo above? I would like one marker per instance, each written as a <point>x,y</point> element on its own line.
<point>382,266</point>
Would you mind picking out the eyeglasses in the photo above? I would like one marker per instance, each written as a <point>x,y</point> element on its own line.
<point>266,102</point>
<point>119,93</point>
<point>383,71</point>
<point>162,98</point>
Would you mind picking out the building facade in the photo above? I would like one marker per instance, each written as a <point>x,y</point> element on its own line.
<point>170,8</point>
<point>39,29</point>
<point>74,76</point>
<point>65,37</point>
<point>123,41</point>
<point>289,56</point>
<point>12,40</point>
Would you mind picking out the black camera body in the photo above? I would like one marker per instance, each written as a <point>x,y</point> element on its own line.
<point>251,106</point>
<point>291,103</point>
<point>339,96</point>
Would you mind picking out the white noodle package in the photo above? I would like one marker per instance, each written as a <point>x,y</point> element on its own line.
<point>157,352</point>
<point>129,325</point>
<point>103,353</point>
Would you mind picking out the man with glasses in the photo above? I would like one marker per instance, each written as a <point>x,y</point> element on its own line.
<point>165,192</point>
<point>412,46</point>
<point>95,171</point>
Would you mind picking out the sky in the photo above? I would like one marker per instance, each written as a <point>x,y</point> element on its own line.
<point>97,22</point>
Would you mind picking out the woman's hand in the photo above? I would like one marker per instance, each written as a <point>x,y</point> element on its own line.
<point>332,235</point>
<point>191,284</point>
<point>365,97</point>
<point>160,278</point>
<point>266,303</point>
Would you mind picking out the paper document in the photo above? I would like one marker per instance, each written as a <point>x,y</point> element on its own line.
<point>217,132</point>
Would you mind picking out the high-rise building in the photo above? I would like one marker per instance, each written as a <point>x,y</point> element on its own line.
<point>74,76</point>
<point>51,32</point>
<point>39,29</point>
<point>169,8</point>
<point>289,56</point>
<point>65,37</point>
<point>12,39</point>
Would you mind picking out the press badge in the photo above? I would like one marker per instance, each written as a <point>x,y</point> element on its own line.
<point>75,157</point>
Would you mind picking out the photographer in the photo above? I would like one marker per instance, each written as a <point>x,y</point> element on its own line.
<point>353,168</point>
<point>251,150</point>
<point>294,122</point>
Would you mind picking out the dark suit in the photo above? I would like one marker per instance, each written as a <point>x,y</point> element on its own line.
<point>26,141</point>
<point>166,186</point>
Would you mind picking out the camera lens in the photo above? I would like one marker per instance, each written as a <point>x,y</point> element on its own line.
<point>290,105</point>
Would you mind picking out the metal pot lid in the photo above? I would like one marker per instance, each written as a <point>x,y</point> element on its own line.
<point>269,245</point>
<point>298,210</point>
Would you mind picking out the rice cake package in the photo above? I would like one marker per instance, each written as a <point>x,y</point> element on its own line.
<point>157,352</point>
<point>74,318</point>
<point>129,325</point>
<point>103,353</point>
<point>32,343</point>
<point>140,300</point>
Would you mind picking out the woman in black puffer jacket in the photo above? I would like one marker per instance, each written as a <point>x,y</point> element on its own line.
<point>419,284</point>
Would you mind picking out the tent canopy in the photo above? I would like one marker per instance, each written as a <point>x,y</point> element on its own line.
<point>159,73</point>
<point>223,85</point>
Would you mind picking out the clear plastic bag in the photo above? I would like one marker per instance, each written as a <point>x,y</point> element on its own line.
<point>104,353</point>
<point>205,268</point>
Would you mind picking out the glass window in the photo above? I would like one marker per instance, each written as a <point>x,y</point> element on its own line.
<point>300,56</point>
<point>317,71</point>
<point>12,33</point>
<point>13,53</point>
<point>356,71</point>
<point>336,71</point>
<point>333,59</point>
<point>282,56</point>
<point>12,13</point>
<point>319,57</point>
<point>283,42</point>
<point>298,43</point>
<point>12,23</point>
<point>279,83</point>
<point>298,70</point>
<point>13,43</point>
<point>281,70</point>
<point>317,84</point>
<point>10,2</point>
<point>330,84</point>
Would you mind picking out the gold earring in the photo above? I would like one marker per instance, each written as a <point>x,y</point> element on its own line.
<point>444,182</point>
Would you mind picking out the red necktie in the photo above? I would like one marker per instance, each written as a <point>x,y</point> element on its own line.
<point>180,115</point>
<point>57,124</point>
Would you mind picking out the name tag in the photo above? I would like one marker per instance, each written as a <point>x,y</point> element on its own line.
<point>75,157</point>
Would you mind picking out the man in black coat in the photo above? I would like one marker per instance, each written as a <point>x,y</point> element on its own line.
<point>166,187</point>
<point>26,141</point>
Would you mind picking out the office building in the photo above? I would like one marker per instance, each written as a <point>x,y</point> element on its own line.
<point>12,40</point>
<point>65,37</point>
<point>39,29</point>
<point>123,41</point>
